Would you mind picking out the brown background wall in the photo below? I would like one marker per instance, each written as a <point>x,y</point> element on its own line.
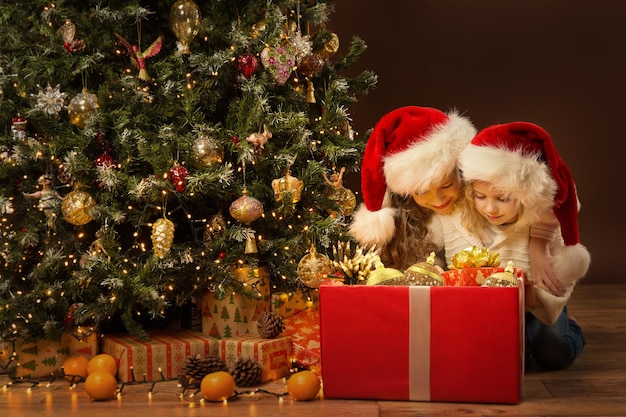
<point>558,63</point>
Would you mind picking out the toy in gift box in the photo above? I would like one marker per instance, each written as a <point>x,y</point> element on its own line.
<point>159,358</point>
<point>237,314</point>
<point>424,343</point>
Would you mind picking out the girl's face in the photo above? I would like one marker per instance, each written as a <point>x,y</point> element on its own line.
<point>440,198</point>
<point>493,205</point>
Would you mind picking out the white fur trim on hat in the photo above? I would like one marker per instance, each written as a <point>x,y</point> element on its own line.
<point>524,177</point>
<point>429,160</point>
<point>373,227</point>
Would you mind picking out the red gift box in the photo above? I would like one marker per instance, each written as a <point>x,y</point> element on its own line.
<point>304,331</point>
<point>450,343</point>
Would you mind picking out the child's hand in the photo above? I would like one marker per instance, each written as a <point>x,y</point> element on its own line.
<point>541,268</point>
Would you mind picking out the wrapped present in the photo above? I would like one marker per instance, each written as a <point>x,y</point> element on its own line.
<point>443,343</point>
<point>44,358</point>
<point>274,355</point>
<point>159,358</point>
<point>475,276</point>
<point>304,331</point>
<point>236,314</point>
<point>287,304</point>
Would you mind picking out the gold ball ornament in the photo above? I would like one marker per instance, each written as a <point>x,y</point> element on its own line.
<point>217,386</point>
<point>304,385</point>
<point>162,237</point>
<point>314,268</point>
<point>185,22</point>
<point>311,64</point>
<point>81,107</point>
<point>246,209</point>
<point>208,150</point>
<point>424,273</point>
<point>101,386</point>
<point>77,207</point>
<point>502,279</point>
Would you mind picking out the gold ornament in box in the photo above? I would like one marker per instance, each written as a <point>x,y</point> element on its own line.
<point>314,268</point>
<point>424,273</point>
<point>77,207</point>
<point>385,276</point>
<point>502,279</point>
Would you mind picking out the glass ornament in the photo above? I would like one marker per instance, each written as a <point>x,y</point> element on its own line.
<point>77,207</point>
<point>185,21</point>
<point>208,150</point>
<point>81,107</point>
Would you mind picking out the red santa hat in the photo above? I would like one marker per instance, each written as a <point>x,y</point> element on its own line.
<point>409,149</point>
<point>520,159</point>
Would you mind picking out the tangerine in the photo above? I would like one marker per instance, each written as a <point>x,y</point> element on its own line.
<point>75,367</point>
<point>217,386</point>
<point>102,362</point>
<point>304,385</point>
<point>101,385</point>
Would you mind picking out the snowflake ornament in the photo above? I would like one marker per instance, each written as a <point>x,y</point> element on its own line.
<point>302,44</point>
<point>50,101</point>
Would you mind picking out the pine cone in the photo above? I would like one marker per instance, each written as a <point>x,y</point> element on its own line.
<point>270,325</point>
<point>246,372</point>
<point>196,368</point>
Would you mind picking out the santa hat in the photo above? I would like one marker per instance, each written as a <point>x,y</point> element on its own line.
<point>520,159</point>
<point>409,149</point>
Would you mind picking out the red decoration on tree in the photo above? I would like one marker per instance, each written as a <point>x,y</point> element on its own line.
<point>178,177</point>
<point>236,140</point>
<point>246,64</point>
<point>105,159</point>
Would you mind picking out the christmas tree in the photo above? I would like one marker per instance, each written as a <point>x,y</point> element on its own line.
<point>149,147</point>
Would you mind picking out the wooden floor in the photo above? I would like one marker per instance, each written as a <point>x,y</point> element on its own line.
<point>594,386</point>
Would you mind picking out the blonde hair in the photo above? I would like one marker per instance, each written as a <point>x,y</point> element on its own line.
<point>471,219</point>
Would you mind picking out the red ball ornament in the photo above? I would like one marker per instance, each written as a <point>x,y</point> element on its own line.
<point>104,160</point>
<point>246,64</point>
<point>221,255</point>
<point>178,177</point>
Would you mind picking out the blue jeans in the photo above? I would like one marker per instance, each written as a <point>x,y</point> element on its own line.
<point>555,346</point>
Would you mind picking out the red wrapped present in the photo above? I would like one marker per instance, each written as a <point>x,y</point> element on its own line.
<point>159,358</point>
<point>449,343</point>
<point>274,355</point>
<point>304,331</point>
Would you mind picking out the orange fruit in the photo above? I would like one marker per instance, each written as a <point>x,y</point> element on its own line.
<point>304,385</point>
<point>75,367</point>
<point>102,362</point>
<point>101,385</point>
<point>217,386</point>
